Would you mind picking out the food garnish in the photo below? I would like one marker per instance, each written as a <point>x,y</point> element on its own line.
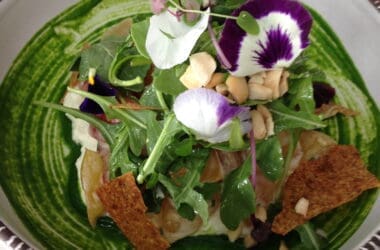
<point>122,199</point>
<point>333,179</point>
<point>208,122</point>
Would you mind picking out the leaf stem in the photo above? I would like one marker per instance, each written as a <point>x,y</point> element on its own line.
<point>102,126</point>
<point>161,100</point>
<point>158,149</point>
<point>101,102</point>
<point>294,135</point>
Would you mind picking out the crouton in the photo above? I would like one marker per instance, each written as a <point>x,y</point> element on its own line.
<point>122,199</point>
<point>335,178</point>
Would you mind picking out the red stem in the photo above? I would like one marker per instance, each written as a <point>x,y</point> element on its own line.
<point>223,59</point>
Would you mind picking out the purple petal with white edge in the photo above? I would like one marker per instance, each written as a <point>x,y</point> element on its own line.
<point>284,29</point>
<point>208,114</point>
<point>99,88</point>
<point>169,41</point>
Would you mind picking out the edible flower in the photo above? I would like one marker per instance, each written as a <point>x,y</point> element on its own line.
<point>209,115</point>
<point>284,26</point>
<point>176,39</point>
<point>100,88</point>
<point>157,6</point>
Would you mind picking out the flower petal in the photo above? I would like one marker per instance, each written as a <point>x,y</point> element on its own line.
<point>99,88</point>
<point>284,29</point>
<point>208,114</point>
<point>169,42</point>
<point>157,6</point>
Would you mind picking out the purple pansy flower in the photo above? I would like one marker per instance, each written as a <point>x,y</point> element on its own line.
<point>284,29</point>
<point>209,115</point>
<point>99,88</point>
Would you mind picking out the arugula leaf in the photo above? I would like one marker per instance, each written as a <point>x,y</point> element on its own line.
<point>149,97</point>
<point>301,95</point>
<point>139,32</point>
<point>128,69</point>
<point>285,118</point>
<point>208,190</point>
<point>170,128</point>
<point>107,103</point>
<point>119,152</point>
<point>116,136</point>
<point>302,68</point>
<point>181,188</point>
<point>207,242</point>
<point>269,157</point>
<point>238,196</point>
<point>100,56</point>
<point>184,147</point>
<point>167,81</point>
<point>308,237</point>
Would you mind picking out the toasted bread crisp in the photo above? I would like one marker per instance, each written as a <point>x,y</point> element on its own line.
<point>123,201</point>
<point>335,178</point>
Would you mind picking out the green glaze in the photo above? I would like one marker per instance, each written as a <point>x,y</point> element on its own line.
<point>37,155</point>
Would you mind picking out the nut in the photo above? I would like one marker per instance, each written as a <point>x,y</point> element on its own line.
<point>284,83</point>
<point>257,78</point>
<point>262,122</point>
<point>238,88</point>
<point>217,78</point>
<point>272,81</point>
<point>258,124</point>
<point>259,92</point>
<point>269,124</point>
<point>261,213</point>
<point>199,72</point>
<point>222,89</point>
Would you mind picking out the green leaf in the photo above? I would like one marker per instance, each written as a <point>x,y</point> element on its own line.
<point>100,56</point>
<point>208,242</point>
<point>186,211</point>
<point>116,136</point>
<point>309,239</point>
<point>139,32</point>
<point>184,147</point>
<point>285,118</point>
<point>167,81</point>
<point>170,129</point>
<point>236,137</point>
<point>248,23</point>
<point>149,97</point>
<point>208,190</point>
<point>181,188</point>
<point>128,69</point>
<point>269,157</point>
<point>107,103</point>
<point>301,95</point>
<point>238,197</point>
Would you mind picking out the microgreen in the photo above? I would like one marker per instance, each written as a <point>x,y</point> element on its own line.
<point>248,23</point>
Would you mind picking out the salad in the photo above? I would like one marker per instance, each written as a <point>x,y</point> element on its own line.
<point>207,119</point>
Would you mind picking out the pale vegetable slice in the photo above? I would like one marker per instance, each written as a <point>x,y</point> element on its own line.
<point>92,170</point>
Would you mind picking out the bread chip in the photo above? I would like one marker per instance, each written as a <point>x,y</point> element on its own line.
<point>336,178</point>
<point>123,201</point>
